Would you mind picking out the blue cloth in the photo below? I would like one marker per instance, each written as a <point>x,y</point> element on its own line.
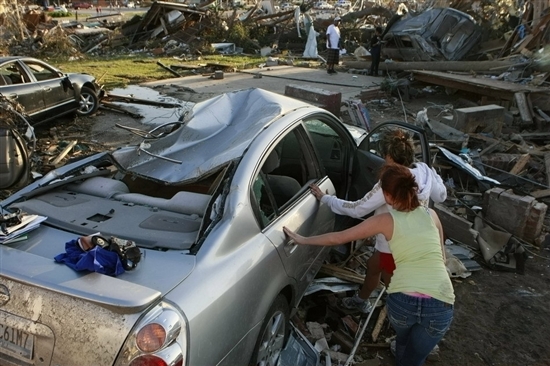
<point>521,31</point>
<point>419,323</point>
<point>96,259</point>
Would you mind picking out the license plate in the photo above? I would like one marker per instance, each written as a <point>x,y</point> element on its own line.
<point>16,341</point>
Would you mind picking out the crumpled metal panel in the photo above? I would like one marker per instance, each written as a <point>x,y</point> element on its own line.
<point>219,131</point>
<point>429,31</point>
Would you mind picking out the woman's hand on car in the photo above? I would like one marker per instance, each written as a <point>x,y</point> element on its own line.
<point>316,191</point>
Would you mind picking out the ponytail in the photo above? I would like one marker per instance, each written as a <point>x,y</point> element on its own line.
<point>398,145</point>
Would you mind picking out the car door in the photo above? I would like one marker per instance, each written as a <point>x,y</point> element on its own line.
<point>370,156</point>
<point>58,94</point>
<point>281,197</point>
<point>16,85</point>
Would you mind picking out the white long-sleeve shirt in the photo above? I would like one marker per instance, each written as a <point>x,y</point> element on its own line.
<point>430,186</point>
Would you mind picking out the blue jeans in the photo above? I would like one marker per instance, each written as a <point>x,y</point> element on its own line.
<point>419,323</point>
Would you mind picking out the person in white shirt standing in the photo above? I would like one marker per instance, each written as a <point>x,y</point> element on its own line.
<point>333,45</point>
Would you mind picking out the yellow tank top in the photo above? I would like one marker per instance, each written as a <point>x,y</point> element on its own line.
<point>416,249</point>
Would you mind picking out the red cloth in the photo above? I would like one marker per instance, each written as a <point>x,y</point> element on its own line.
<point>386,263</point>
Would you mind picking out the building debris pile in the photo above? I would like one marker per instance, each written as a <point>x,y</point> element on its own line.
<point>434,30</point>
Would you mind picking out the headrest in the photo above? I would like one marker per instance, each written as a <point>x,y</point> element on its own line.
<point>272,162</point>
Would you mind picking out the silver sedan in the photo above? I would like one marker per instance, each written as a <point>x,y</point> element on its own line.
<point>204,199</point>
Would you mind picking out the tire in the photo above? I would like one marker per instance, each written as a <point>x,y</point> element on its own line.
<point>273,334</point>
<point>88,102</point>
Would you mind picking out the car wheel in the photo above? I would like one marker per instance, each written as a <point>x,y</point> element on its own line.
<point>88,103</point>
<point>273,334</point>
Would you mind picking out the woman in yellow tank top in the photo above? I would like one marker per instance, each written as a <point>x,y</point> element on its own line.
<point>420,296</point>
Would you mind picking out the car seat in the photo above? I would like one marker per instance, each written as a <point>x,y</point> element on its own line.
<point>282,187</point>
<point>5,80</point>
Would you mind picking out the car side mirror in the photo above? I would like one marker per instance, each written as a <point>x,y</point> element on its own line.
<point>66,82</point>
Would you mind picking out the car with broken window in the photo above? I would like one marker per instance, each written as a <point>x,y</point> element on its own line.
<point>205,199</point>
<point>435,34</point>
<point>46,93</point>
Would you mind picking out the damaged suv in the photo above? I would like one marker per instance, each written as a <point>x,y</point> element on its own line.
<point>435,34</point>
<point>205,199</point>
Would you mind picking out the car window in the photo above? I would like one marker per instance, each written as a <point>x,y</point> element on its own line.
<point>373,143</point>
<point>332,150</point>
<point>41,72</point>
<point>264,202</point>
<point>286,170</point>
<point>11,73</point>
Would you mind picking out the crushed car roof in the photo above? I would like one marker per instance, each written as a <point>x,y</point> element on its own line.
<point>219,130</point>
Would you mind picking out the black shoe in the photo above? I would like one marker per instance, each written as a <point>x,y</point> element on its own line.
<point>334,72</point>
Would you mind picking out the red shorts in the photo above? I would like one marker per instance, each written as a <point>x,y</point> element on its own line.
<point>386,263</point>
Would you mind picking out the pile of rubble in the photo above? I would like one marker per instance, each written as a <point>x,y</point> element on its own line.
<point>185,29</point>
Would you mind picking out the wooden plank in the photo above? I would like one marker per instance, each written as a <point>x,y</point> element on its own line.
<point>541,193</point>
<point>542,114</point>
<point>508,45</point>
<point>168,69</point>
<point>344,274</point>
<point>65,151</point>
<point>524,42</point>
<point>462,84</point>
<point>547,166</point>
<point>535,135</point>
<point>508,145</point>
<point>481,86</point>
<point>520,164</point>
<point>490,148</point>
<point>445,66</point>
<point>379,323</point>
<point>456,227</point>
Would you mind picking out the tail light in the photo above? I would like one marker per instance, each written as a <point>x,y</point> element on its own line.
<point>158,339</point>
<point>151,337</point>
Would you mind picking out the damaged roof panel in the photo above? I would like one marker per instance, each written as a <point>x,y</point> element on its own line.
<point>219,131</point>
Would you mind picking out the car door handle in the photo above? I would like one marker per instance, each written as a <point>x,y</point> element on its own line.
<point>290,247</point>
<point>13,96</point>
<point>47,89</point>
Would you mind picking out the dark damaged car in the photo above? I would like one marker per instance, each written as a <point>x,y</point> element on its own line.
<point>435,34</point>
<point>44,92</point>
<point>205,200</point>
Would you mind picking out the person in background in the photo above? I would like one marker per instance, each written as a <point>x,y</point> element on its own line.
<point>375,49</point>
<point>333,45</point>
<point>397,147</point>
<point>421,297</point>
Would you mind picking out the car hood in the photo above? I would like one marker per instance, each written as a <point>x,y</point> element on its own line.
<point>218,131</point>
<point>156,274</point>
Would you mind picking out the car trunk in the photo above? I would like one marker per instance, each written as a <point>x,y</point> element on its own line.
<point>48,310</point>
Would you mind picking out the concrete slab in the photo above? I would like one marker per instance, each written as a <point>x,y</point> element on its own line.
<point>275,80</point>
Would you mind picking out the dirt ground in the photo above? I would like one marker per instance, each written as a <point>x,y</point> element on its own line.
<point>501,318</point>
